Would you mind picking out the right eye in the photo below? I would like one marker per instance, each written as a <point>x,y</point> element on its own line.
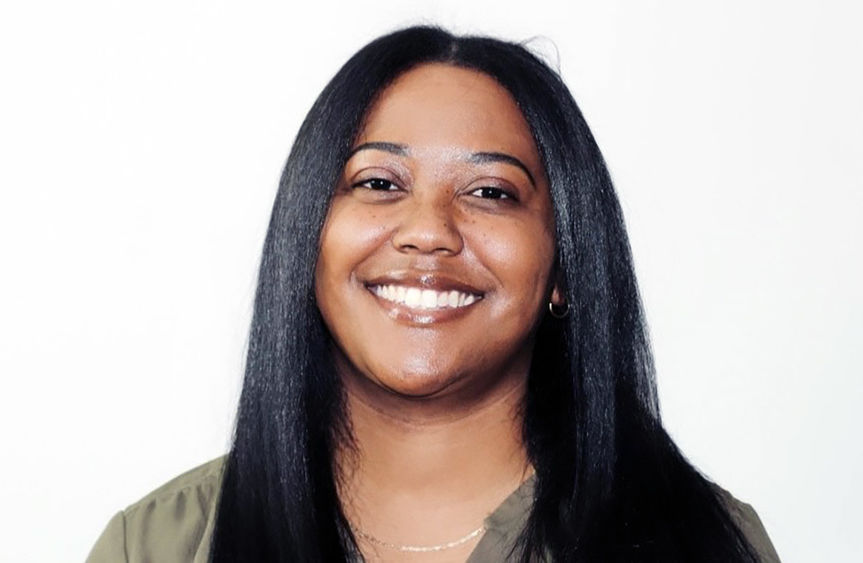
<point>377,184</point>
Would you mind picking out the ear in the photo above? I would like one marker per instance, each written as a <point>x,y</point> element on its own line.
<point>558,295</point>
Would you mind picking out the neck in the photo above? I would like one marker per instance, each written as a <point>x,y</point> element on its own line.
<point>423,471</point>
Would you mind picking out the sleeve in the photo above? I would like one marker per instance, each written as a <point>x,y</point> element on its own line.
<point>111,545</point>
<point>750,524</point>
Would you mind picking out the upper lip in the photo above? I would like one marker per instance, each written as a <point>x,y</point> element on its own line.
<point>437,281</point>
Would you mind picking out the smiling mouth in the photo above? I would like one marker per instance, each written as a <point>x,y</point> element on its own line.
<point>423,299</point>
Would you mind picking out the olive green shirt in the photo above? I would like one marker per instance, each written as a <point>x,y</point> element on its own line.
<point>174,523</point>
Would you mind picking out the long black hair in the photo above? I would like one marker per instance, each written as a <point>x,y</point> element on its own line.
<point>610,483</point>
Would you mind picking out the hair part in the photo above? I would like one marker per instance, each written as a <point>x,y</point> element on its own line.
<point>611,485</point>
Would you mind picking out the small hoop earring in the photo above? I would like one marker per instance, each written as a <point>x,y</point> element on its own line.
<point>558,311</point>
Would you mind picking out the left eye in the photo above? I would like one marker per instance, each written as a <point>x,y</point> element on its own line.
<point>492,193</point>
<point>377,184</point>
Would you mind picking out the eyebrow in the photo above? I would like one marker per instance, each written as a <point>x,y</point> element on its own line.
<point>394,148</point>
<point>484,157</point>
<point>476,157</point>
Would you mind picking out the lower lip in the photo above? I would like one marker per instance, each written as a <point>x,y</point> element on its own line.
<point>403,313</point>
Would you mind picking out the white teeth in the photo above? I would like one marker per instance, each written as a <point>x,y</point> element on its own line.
<point>429,299</point>
<point>452,298</point>
<point>413,296</point>
<point>417,298</point>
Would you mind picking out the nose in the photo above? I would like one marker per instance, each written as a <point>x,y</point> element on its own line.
<point>428,226</point>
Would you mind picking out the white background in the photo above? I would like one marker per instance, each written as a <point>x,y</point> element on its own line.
<point>140,148</point>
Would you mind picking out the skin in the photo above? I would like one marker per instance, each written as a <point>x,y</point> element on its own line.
<point>434,397</point>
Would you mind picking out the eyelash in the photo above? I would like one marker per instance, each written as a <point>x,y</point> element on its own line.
<point>500,193</point>
<point>372,180</point>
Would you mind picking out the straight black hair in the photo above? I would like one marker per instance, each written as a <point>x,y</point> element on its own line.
<point>610,483</point>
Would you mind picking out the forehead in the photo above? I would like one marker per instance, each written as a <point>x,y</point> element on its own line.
<point>437,105</point>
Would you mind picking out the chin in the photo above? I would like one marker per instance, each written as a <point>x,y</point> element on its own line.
<point>416,384</point>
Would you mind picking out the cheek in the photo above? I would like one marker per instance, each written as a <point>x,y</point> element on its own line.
<point>520,255</point>
<point>348,237</point>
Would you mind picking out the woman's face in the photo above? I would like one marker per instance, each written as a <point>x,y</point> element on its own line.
<point>437,252</point>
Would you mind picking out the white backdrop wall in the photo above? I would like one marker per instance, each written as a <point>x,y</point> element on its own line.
<point>140,148</point>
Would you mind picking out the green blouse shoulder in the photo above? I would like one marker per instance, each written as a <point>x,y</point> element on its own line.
<point>174,523</point>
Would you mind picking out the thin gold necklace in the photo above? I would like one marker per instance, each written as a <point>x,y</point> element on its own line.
<point>419,548</point>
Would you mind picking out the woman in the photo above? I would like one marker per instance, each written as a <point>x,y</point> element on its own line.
<point>448,359</point>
